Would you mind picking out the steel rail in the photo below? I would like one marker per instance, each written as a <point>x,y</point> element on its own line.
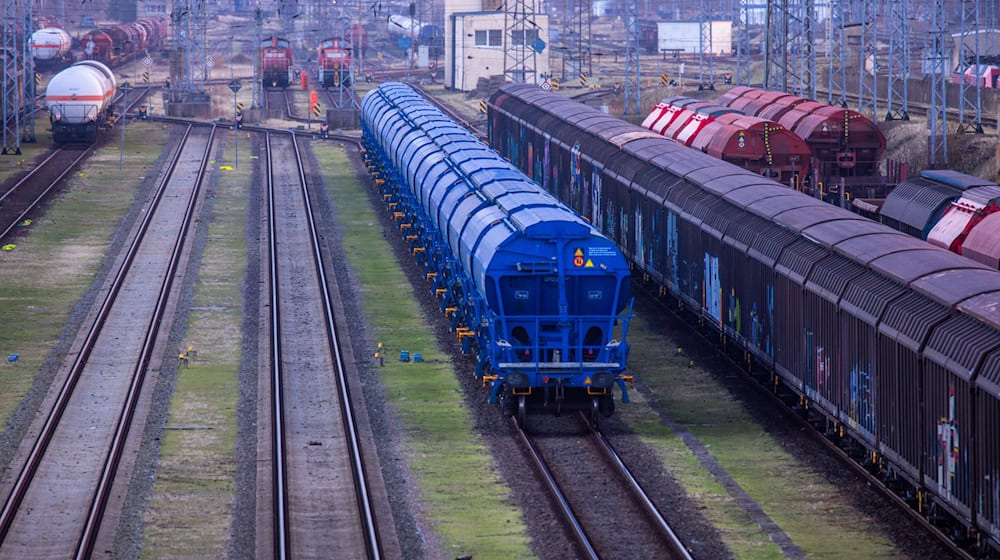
<point>103,493</point>
<point>818,436</point>
<point>580,538</point>
<point>282,544</point>
<point>23,481</point>
<point>350,423</point>
<point>638,493</point>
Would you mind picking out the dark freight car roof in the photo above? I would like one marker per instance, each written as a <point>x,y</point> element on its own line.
<point>868,295</point>
<point>910,318</point>
<point>830,276</point>
<point>915,201</point>
<point>955,179</point>
<point>832,233</point>
<point>959,344</point>
<point>800,257</point>
<point>954,286</point>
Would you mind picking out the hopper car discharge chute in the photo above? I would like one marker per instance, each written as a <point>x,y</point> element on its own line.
<point>536,290</point>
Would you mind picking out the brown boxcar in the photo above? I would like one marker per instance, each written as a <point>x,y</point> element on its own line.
<point>893,341</point>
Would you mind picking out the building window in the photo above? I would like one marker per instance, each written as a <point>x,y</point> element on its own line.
<point>489,38</point>
<point>523,37</point>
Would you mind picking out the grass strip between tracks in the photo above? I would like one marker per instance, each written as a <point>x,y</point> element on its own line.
<point>812,511</point>
<point>56,257</point>
<point>458,481</point>
<point>190,510</point>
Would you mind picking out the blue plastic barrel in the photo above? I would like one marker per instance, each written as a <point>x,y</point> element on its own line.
<point>404,355</point>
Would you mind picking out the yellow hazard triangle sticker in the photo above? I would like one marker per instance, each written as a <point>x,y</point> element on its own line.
<point>590,264</point>
<point>578,253</point>
<point>586,380</point>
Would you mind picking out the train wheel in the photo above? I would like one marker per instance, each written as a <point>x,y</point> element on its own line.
<point>595,408</point>
<point>522,411</point>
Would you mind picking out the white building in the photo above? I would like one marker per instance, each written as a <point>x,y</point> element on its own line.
<point>685,36</point>
<point>474,44</point>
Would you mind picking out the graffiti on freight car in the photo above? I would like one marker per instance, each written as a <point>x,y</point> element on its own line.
<point>672,248</point>
<point>624,221</point>
<point>533,172</point>
<point>546,165</point>
<point>712,291</point>
<point>947,447</point>
<point>862,406</point>
<point>735,312</point>
<point>595,202</point>
<point>640,246</point>
<point>576,176</point>
<point>996,505</point>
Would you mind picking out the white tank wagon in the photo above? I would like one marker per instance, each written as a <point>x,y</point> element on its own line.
<point>79,100</point>
<point>50,44</point>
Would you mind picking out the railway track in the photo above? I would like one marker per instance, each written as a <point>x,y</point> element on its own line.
<point>69,470</point>
<point>322,500</point>
<point>572,476</point>
<point>767,385</point>
<point>18,201</point>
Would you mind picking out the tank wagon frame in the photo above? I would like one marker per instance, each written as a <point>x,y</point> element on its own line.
<point>80,101</point>
<point>890,342</point>
<point>538,292</point>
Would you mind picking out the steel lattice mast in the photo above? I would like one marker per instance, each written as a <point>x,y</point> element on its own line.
<point>868,68</point>
<point>837,54</point>
<point>804,49</point>
<point>897,96</point>
<point>937,119</point>
<point>576,36</point>
<point>519,30</point>
<point>742,17</point>
<point>28,123</point>
<point>775,46</point>
<point>706,76</point>
<point>346,83</point>
<point>257,95</point>
<point>970,106</point>
<point>632,79</point>
<point>11,79</point>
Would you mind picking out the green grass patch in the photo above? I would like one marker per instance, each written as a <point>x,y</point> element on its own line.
<point>56,257</point>
<point>814,513</point>
<point>12,164</point>
<point>191,506</point>
<point>459,483</point>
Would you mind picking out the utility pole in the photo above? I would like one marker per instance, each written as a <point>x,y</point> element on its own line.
<point>28,125</point>
<point>257,95</point>
<point>521,42</point>
<point>837,54</point>
<point>633,95</point>
<point>742,17</point>
<point>12,73</point>
<point>706,80</point>
<point>937,119</point>
<point>868,81</point>
<point>969,57</point>
<point>897,96</point>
